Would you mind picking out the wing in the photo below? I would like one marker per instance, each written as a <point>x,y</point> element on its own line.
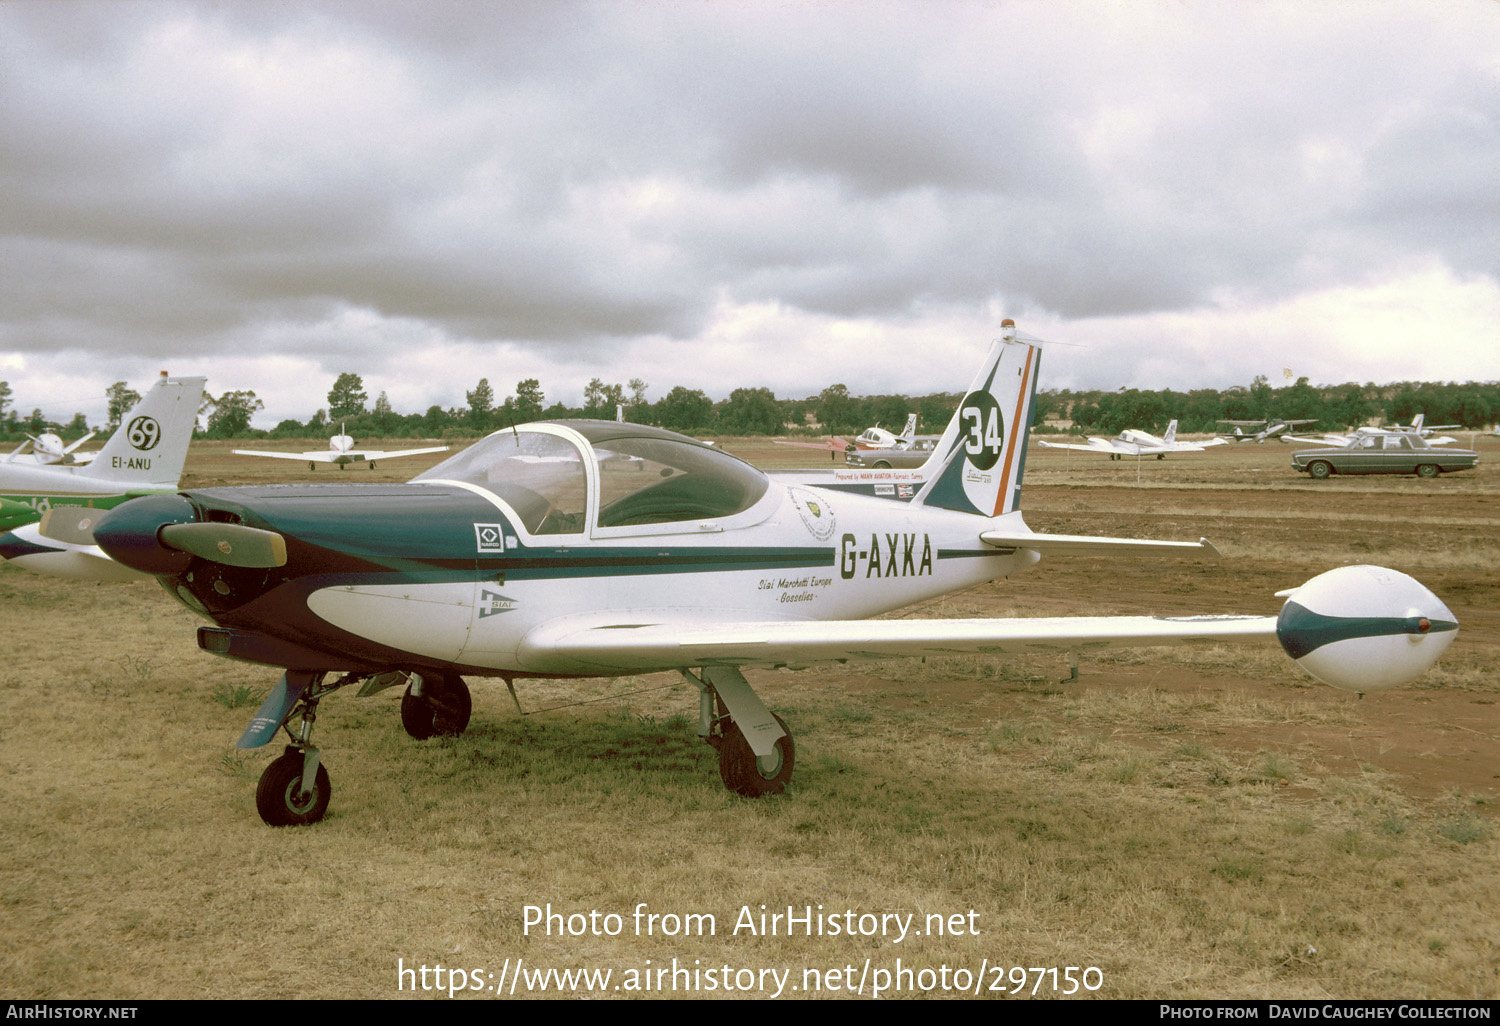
<point>321,456</point>
<point>1095,445</point>
<point>376,454</point>
<point>832,445</point>
<point>1361,628</point>
<point>613,645</point>
<point>1321,440</point>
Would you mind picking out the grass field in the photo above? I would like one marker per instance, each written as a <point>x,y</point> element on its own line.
<point>1189,823</point>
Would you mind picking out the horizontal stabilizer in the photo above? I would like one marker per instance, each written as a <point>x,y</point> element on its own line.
<point>1084,545</point>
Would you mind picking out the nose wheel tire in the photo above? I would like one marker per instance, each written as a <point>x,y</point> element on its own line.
<point>441,710</point>
<point>744,774</point>
<point>279,798</point>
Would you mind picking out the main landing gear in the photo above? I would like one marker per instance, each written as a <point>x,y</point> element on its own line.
<point>436,706</point>
<point>294,790</point>
<point>728,711</point>
<point>754,745</point>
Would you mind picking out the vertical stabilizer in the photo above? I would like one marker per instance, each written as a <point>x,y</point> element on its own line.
<point>910,431</point>
<point>982,453</point>
<point>150,446</point>
<point>1171,435</point>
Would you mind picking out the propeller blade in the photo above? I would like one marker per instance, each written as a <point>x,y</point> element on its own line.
<point>230,544</point>
<point>71,524</point>
<point>76,444</point>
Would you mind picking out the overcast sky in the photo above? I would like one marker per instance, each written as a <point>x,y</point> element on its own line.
<point>731,194</point>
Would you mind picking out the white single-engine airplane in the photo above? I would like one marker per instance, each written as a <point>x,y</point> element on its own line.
<point>340,451</point>
<point>503,561</point>
<point>1132,442</point>
<point>146,454</point>
<point>47,449</point>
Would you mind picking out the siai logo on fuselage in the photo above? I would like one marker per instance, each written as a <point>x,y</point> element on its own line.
<point>887,555</point>
<point>492,603</point>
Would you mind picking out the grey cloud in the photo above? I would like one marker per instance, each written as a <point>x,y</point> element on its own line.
<point>845,167</point>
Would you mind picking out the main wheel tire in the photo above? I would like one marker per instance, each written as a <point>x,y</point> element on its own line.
<point>1320,470</point>
<point>744,774</point>
<point>1427,470</point>
<point>442,710</point>
<point>278,796</point>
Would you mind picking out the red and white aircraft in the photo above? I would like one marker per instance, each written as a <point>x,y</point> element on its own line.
<point>875,437</point>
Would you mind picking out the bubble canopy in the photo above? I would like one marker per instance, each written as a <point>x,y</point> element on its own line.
<point>567,477</point>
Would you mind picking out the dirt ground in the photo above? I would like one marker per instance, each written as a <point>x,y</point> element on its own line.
<point>1277,528</point>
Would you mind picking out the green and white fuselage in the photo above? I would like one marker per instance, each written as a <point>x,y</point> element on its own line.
<point>596,548</point>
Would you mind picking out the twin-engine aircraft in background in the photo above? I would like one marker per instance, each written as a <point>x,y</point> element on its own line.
<point>1132,442</point>
<point>1276,427</point>
<point>340,451</point>
<point>539,552</point>
<point>145,455</point>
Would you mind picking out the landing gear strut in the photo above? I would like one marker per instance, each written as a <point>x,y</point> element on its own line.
<point>294,790</point>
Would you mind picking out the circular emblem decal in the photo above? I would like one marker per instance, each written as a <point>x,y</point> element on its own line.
<point>143,433</point>
<point>815,512</point>
<point>983,429</point>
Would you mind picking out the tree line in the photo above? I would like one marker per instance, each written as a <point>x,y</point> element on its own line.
<point>756,411</point>
<point>1472,405</point>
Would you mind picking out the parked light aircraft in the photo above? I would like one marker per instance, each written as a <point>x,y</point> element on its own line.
<point>146,454</point>
<point>1416,427</point>
<point>495,563</point>
<point>1423,430</point>
<point>875,437</point>
<point>340,451</point>
<point>46,449</point>
<point>1273,428</point>
<point>1132,442</point>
